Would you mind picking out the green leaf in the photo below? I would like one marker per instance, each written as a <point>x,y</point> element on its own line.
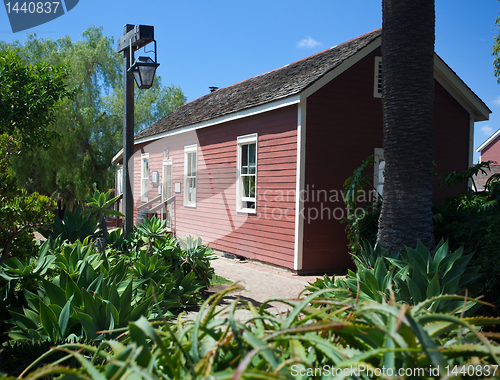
<point>87,324</point>
<point>23,321</point>
<point>436,358</point>
<point>416,295</point>
<point>265,351</point>
<point>49,320</point>
<point>434,290</point>
<point>55,293</point>
<point>64,317</point>
<point>138,336</point>
<point>140,310</point>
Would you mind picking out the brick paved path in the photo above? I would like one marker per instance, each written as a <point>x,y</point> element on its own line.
<point>261,282</point>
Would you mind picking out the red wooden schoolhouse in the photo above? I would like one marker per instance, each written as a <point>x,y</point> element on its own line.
<point>256,169</point>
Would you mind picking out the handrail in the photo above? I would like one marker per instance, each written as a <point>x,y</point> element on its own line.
<point>164,203</point>
<point>147,204</point>
<point>160,206</point>
<point>120,197</point>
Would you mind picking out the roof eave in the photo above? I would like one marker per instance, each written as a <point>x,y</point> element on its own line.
<point>459,90</point>
<point>488,142</point>
<point>118,157</point>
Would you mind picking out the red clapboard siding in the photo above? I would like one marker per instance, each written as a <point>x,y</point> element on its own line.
<point>492,151</point>
<point>344,125</point>
<point>269,234</point>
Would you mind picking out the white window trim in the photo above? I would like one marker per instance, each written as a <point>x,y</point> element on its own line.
<point>167,162</point>
<point>377,75</point>
<point>190,149</point>
<point>144,189</point>
<point>119,180</point>
<point>378,157</point>
<point>242,140</point>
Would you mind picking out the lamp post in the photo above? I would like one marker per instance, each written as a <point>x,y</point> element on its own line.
<point>143,71</point>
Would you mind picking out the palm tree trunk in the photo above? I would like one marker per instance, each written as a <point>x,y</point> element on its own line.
<point>408,30</point>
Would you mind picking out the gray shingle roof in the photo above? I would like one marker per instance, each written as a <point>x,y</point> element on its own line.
<point>274,85</point>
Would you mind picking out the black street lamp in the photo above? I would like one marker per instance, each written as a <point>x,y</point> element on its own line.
<point>143,70</point>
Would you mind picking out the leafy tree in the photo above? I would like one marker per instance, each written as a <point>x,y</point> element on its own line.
<point>91,123</point>
<point>496,50</point>
<point>20,212</point>
<point>407,101</point>
<point>29,95</point>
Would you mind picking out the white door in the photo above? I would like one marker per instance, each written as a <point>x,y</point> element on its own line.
<point>167,191</point>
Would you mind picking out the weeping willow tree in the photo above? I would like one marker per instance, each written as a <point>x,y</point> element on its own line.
<point>89,126</point>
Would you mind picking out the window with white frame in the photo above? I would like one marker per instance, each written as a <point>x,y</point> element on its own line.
<point>377,85</point>
<point>379,167</point>
<point>246,199</point>
<point>119,180</point>
<point>190,158</point>
<point>145,177</point>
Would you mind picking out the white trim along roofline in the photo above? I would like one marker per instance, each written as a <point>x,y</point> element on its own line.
<point>459,90</point>
<point>352,60</point>
<point>295,99</point>
<point>487,142</point>
<point>442,72</point>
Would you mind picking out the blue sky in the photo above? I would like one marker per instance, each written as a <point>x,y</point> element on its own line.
<point>220,42</point>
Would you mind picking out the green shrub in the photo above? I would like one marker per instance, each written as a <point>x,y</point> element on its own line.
<point>415,277</point>
<point>470,221</point>
<point>74,226</point>
<point>476,229</point>
<point>361,226</point>
<point>74,292</point>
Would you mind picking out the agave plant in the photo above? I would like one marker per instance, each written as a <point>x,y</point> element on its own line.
<point>417,276</point>
<point>149,233</point>
<point>74,226</point>
<point>100,206</point>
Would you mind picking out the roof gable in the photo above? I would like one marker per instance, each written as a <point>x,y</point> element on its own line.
<point>488,142</point>
<point>274,85</point>
<point>288,82</point>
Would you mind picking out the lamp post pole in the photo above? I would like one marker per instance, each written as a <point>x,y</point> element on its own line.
<point>134,37</point>
<point>128,137</point>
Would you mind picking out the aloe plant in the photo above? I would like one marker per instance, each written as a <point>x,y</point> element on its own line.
<point>342,334</point>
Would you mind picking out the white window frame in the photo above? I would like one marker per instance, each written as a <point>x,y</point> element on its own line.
<point>190,149</point>
<point>240,199</point>
<point>377,78</point>
<point>119,180</point>
<point>144,178</point>
<point>166,186</point>
<point>378,175</point>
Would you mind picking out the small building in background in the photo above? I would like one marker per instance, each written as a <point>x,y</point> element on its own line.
<point>490,151</point>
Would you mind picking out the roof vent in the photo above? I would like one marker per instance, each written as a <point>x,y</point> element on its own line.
<point>213,89</point>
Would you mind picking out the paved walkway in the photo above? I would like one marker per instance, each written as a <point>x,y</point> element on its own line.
<point>260,282</point>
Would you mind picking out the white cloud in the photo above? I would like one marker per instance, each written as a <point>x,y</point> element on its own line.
<point>308,42</point>
<point>487,130</point>
<point>497,101</point>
